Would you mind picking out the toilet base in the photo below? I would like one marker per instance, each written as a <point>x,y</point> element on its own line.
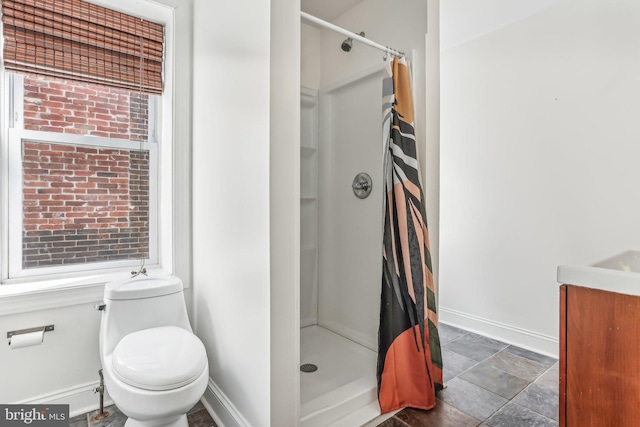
<point>179,421</point>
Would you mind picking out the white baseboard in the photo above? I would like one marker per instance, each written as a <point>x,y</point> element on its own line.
<point>308,322</point>
<point>81,399</point>
<point>223,412</point>
<point>531,340</point>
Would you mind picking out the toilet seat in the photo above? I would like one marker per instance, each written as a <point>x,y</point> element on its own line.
<point>162,358</point>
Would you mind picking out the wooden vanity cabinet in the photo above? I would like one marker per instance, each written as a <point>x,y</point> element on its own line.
<point>599,358</point>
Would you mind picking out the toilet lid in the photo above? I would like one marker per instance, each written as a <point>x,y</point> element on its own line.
<point>160,358</point>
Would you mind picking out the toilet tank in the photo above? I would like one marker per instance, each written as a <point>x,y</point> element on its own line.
<point>141,303</point>
<point>142,287</point>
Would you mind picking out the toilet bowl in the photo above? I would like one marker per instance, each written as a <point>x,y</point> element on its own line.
<point>155,368</point>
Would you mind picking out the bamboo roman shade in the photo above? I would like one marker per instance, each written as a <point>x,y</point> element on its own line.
<point>76,40</point>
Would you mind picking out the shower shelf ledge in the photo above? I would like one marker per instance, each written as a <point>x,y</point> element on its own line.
<point>308,197</point>
<point>307,151</point>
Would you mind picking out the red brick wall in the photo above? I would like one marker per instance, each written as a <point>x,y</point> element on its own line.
<point>55,105</point>
<point>83,204</point>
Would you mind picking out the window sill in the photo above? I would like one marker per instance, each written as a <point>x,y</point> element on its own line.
<point>43,295</point>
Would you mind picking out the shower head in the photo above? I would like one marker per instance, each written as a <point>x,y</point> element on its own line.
<point>348,43</point>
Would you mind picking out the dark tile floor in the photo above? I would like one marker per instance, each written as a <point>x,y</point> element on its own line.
<point>197,417</point>
<point>489,383</point>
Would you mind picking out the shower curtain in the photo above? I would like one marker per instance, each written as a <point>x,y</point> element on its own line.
<point>409,356</point>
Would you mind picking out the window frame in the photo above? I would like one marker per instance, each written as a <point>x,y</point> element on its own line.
<point>16,134</point>
<point>167,181</point>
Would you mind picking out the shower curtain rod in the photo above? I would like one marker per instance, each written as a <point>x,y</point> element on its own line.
<point>349,34</point>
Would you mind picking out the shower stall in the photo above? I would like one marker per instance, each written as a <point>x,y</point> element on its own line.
<point>341,234</point>
<point>341,247</point>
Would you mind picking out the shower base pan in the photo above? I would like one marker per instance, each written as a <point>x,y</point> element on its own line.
<point>342,392</point>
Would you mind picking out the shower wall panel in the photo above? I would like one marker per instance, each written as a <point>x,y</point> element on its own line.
<point>350,229</point>
<point>308,207</point>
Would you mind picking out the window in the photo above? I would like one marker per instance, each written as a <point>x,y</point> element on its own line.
<point>80,161</point>
<point>82,142</point>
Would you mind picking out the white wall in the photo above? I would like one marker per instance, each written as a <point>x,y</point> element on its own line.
<point>539,163</point>
<point>310,56</point>
<point>430,160</point>
<point>350,229</point>
<point>231,200</point>
<point>465,20</point>
<point>67,359</point>
<point>285,212</point>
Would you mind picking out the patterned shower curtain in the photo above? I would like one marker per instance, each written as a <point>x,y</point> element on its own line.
<point>409,356</point>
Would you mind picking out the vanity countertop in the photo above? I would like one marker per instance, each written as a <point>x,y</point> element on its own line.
<point>620,274</point>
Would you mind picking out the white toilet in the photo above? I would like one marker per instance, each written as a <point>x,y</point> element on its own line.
<point>155,368</point>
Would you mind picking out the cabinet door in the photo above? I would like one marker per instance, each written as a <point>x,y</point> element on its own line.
<point>602,358</point>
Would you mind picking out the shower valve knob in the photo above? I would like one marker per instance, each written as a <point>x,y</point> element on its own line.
<point>362,185</point>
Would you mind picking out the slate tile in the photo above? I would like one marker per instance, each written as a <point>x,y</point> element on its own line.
<point>474,400</point>
<point>449,333</point>
<point>471,350</point>
<point>539,399</point>
<point>200,418</point>
<point>495,380</point>
<point>528,354</point>
<point>443,415</point>
<point>81,417</point>
<point>115,418</point>
<point>78,421</point>
<point>454,364</point>
<point>486,341</point>
<point>551,378</point>
<point>518,366</point>
<point>513,415</point>
<point>393,422</point>
<point>197,407</point>
<point>197,417</point>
